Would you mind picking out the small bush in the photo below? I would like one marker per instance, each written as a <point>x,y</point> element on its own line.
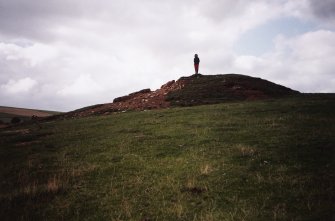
<point>15,120</point>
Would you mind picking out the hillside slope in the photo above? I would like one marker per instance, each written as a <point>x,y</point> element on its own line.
<point>25,114</point>
<point>194,90</point>
<point>262,160</point>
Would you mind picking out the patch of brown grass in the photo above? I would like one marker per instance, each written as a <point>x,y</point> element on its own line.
<point>205,169</point>
<point>54,184</point>
<point>30,189</point>
<point>246,151</point>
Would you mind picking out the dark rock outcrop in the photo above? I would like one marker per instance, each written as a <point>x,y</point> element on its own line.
<point>132,95</point>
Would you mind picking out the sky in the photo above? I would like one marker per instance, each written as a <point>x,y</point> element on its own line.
<point>66,54</point>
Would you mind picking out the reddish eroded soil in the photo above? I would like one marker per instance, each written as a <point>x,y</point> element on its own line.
<point>24,112</point>
<point>141,100</point>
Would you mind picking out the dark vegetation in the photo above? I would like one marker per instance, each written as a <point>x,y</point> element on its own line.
<point>260,160</point>
<point>15,120</point>
<point>7,118</point>
<point>211,89</point>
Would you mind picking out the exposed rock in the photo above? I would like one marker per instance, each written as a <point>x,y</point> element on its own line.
<point>168,84</point>
<point>132,95</point>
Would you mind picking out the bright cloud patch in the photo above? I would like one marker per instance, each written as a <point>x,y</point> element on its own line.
<point>23,85</point>
<point>84,85</point>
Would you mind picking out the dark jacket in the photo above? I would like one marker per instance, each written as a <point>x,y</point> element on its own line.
<point>196,60</point>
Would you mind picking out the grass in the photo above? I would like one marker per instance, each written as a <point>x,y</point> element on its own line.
<point>266,160</point>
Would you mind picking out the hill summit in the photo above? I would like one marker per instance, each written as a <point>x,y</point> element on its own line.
<point>193,90</point>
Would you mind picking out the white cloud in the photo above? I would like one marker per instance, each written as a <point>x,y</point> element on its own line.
<point>23,85</point>
<point>84,85</point>
<point>248,63</point>
<point>305,62</point>
<point>319,44</point>
<point>31,55</point>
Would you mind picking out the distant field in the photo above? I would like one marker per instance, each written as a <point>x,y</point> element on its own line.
<point>264,160</point>
<point>7,113</point>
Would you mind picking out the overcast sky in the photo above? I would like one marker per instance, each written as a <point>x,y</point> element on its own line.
<point>67,54</point>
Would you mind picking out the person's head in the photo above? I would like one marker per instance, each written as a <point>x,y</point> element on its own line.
<point>196,55</point>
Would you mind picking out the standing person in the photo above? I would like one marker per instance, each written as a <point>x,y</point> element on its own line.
<point>196,63</point>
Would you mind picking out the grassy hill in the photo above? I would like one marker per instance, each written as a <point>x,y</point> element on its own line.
<point>192,90</point>
<point>261,160</point>
<point>25,114</point>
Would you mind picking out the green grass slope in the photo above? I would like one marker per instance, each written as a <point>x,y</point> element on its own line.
<point>264,160</point>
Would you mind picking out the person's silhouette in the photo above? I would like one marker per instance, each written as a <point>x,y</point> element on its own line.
<point>196,63</point>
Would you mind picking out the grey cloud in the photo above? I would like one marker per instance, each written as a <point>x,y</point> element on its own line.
<point>218,10</point>
<point>34,19</point>
<point>121,45</point>
<point>324,9</point>
<point>37,19</point>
